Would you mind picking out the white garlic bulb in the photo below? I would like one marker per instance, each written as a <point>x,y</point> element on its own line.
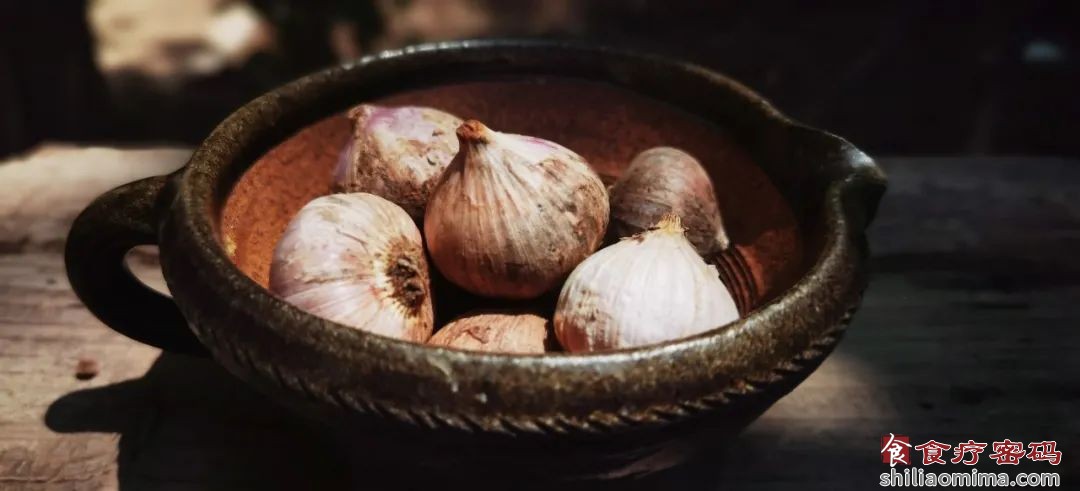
<point>646,289</point>
<point>398,153</point>
<point>665,180</point>
<point>494,332</point>
<point>356,259</point>
<point>513,214</point>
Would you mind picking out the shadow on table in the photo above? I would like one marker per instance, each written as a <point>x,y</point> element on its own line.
<point>188,424</point>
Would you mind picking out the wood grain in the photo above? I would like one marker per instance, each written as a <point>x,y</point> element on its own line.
<point>967,331</point>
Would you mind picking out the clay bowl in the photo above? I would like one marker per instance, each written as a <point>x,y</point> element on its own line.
<point>797,201</point>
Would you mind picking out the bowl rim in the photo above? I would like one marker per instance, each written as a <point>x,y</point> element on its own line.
<point>826,292</point>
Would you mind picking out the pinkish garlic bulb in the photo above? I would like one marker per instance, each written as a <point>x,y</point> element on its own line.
<point>646,289</point>
<point>668,180</point>
<point>513,214</point>
<point>495,332</point>
<point>358,260</point>
<point>398,153</point>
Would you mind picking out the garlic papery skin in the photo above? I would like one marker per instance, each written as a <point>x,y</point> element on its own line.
<point>513,214</point>
<point>398,153</point>
<point>495,333</point>
<point>646,289</point>
<point>668,180</point>
<point>358,260</point>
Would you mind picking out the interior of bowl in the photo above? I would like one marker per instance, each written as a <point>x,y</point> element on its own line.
<point>605,124</point>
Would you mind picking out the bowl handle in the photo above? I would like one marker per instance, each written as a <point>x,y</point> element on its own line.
<point>862,182</point>
<point>94,255</point>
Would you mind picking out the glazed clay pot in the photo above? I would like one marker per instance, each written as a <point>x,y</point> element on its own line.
<point>796,202</point>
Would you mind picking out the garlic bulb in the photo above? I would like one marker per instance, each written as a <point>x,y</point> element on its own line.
<point>494,332</point>
<point>668,180</point>
<point>642,290</point>
<point>398,153</point>
<point>356,259</point>
<point>513,214</point>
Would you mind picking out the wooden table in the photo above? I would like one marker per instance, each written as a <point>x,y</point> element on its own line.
<point>969,331</point>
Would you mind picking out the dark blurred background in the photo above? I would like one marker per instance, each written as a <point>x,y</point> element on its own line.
<point>909,77</point>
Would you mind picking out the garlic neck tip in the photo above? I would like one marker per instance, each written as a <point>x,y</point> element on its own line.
<point>670,223</point>
<point>722,240</point>
<point>473,131</point>
<point>362,112</point>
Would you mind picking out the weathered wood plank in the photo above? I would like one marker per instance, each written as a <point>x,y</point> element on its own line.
<point>966,332</point>
<point>44,330</point>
